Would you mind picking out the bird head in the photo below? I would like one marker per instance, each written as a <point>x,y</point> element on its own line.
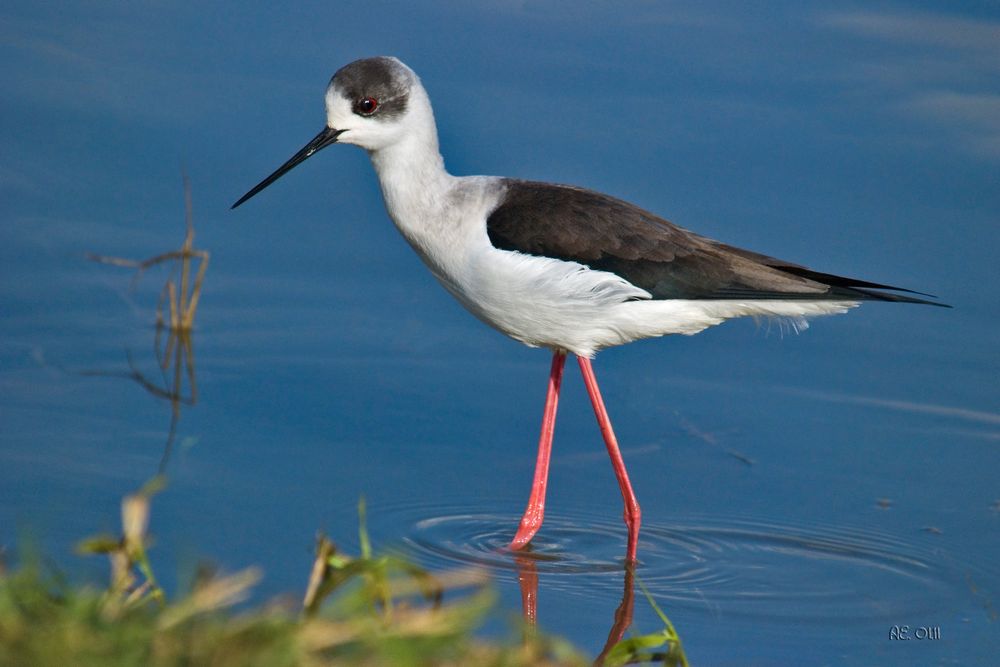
<point>373,103</point>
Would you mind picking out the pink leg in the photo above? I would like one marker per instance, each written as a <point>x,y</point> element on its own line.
<point>633,515</point>
<point>535,512</point>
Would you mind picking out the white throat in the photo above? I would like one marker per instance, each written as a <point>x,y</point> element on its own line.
<point>411,172</point>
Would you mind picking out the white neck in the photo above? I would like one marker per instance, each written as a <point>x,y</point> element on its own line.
<point>411,170</point>
<point>411,173</point>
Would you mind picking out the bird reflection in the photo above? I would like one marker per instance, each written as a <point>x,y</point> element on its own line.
<point>527,579</point>
<point>616,650</point>
<point>623,615</point>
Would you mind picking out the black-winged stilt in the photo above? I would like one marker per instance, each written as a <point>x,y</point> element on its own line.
<point>557,266</point>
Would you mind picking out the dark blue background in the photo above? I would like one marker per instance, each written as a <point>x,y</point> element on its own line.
<point>863,140</point>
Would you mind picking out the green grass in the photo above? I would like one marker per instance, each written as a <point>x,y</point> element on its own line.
<point>370,609</point>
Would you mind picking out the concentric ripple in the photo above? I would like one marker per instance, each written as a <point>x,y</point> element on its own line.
<point>722,565</point>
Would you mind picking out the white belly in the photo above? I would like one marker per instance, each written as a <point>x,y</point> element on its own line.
<point>563,305</point>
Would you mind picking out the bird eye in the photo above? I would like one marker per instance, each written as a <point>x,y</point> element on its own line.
<point>366,105</point>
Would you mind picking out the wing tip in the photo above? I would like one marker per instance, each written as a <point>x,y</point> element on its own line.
<point>873,295</point>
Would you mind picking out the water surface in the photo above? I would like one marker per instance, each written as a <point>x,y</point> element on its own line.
<point>802,494</point>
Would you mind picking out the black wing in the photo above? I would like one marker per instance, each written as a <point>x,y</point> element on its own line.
<point>667,261</point>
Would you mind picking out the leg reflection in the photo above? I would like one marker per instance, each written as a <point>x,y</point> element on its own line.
<point>527,579</point>
<point>623,614</point>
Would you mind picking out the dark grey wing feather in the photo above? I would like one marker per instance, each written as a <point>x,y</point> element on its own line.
<point>827,278</point>
<point>669,262</point>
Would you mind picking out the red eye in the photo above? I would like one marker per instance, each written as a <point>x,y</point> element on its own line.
<point>366,105</point>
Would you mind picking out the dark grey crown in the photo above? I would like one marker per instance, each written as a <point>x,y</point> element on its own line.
<point>383,78</point>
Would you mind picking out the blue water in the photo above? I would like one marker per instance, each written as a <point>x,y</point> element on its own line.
<point>802,494</point>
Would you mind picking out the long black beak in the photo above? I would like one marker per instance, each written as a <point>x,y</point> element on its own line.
<point>325,138</point>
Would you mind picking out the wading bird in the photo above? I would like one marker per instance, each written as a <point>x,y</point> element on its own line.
<point>555,266</point>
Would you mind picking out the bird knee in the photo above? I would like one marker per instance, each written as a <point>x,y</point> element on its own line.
<point>633,514</point>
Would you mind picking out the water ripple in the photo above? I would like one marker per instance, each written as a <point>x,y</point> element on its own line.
<point>724,565</point>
